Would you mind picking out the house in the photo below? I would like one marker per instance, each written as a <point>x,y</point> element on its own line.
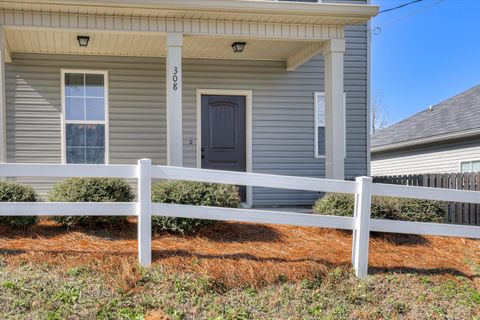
<point>276,87</point>
<point>444,138</point>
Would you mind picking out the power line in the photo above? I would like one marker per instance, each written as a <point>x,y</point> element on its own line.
<point>378,30</point>
<point>400,6</point>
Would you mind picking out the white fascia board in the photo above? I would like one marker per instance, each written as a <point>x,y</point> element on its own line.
<point>362,12</point>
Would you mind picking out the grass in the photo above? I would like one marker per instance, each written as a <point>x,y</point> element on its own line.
<point>234,271</point>
<point>33,292</point>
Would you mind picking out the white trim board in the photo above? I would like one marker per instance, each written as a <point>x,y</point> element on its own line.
<point>249,104</point>
<point>3,101</point>
<point>107,118</point>
<point>369,96</point>
<point>315,125</point>
<point>318,94</point>
<point>276,12</point>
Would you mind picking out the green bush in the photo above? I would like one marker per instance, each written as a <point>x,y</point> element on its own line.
<point>15,192</point>
<point>191,193</point>
<point>91,190</point>
<point>384,208</point>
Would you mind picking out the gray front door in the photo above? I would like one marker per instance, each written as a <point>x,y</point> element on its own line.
<point>224,134</point>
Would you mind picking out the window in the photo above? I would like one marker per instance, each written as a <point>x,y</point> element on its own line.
<point>319,125</point>
<point>470,166</point>
<point>85,110</point>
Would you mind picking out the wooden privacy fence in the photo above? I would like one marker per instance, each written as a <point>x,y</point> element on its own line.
<point>361,223</point>
<point>457,212</point>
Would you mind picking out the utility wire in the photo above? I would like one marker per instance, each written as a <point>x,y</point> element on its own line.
<point>378,30</point>
<point>400,6</point>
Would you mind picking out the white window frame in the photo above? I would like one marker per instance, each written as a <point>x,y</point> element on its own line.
<point>315,122</point>
<point>466,161</point>
<point>105,122</point>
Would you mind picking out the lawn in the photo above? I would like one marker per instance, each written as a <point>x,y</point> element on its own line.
<point>234,271</point>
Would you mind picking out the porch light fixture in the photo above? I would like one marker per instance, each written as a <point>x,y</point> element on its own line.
<point>238,47</point>
<point>83,41</point>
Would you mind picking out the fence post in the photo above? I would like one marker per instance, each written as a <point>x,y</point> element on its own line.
<point>144,212</point>
<point>361,233</point>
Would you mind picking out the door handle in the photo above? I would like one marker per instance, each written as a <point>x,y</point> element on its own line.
<point>203,155</point>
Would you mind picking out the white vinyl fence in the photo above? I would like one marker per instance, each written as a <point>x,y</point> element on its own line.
<point>361,223</point>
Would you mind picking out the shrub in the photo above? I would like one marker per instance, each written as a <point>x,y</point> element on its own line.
<point>91,190</point>
<point>383,208</point>
<point>191,193</point>
<point>15,192</point>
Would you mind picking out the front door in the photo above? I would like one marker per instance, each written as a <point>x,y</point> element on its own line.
<point>224,134</point>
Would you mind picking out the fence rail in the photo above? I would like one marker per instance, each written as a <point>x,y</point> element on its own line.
<point>458,211</point>
<point>361,223</point>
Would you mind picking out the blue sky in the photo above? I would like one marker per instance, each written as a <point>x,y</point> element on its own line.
<point>425,58</point>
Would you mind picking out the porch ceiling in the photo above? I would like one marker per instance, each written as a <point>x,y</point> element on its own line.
<point>281,31</point>
<point>59,41</point>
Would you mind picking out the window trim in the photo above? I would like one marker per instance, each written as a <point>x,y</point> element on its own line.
<point>105,122</point>
<point>460,162</point>
<point>318,94</point>
<point>315,124</point>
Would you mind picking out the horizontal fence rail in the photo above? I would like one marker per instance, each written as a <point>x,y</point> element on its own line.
<point>251,215</point>
<point>424,228</point>
<point>390,190</point>
<point>71,170</point>
<point>457,212</point>
<point>68,209</point>
<point>361,223</point>
<point>254,179</point>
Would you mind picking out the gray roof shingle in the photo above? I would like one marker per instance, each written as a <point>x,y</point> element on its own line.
<point>457,114</point>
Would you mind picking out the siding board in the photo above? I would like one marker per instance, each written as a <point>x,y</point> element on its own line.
<point>440,158</point>
<point>282,111</point>
<point>137,104</point>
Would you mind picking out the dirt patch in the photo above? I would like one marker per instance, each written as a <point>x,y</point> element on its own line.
<point>235,254</point>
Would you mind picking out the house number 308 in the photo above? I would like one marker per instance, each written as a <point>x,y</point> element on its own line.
<point>175,78</point>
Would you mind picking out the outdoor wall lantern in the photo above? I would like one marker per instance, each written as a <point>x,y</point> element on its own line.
<point>238,47</point>
<point>83,41</point>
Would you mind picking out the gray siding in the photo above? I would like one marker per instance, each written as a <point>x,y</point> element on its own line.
<point>283,135</point>
<point>137,107</point>
<point>136,115</point>
<point>282,111</point>
<point>439,158</point>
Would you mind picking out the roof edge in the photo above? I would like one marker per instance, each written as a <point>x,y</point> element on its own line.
<point>245,6</point>
<point>443,137</point>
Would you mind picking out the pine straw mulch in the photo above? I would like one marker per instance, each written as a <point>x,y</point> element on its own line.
<point>235,254</point>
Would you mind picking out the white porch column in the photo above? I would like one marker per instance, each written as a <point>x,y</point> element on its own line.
<point>174,99</point>
<point>3,104</point>
<point>334,109</point>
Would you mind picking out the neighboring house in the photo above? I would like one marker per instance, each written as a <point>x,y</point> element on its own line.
<point>442,139</point>
<point>213,84</point>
